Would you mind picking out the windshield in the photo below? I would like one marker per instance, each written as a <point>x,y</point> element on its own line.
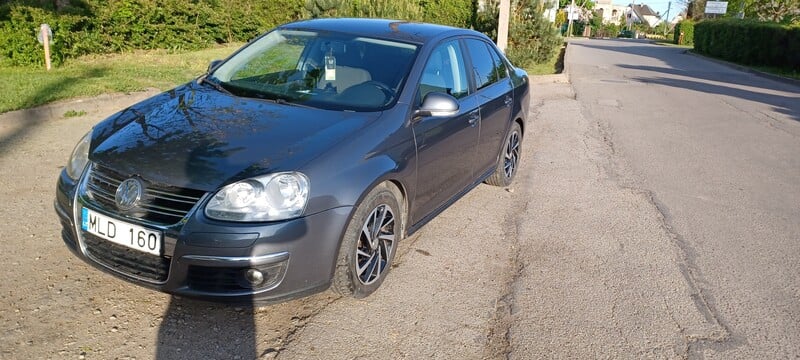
<point>322,70</point>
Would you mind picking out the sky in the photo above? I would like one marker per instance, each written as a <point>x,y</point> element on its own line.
<point>659,6</point>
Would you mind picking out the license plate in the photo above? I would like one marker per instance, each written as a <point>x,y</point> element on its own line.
<point>119,232</point>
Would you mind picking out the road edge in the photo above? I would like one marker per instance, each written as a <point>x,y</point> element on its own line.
<point>746,69</point>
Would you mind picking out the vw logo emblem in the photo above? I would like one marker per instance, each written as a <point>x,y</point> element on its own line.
<point>128,194</point>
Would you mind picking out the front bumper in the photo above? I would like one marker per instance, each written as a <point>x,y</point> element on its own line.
<point>209,259</point>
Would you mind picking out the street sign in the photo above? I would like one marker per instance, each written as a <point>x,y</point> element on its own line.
<point>716,7</point>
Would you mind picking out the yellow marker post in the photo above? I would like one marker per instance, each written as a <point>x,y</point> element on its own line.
<point>45,33</point>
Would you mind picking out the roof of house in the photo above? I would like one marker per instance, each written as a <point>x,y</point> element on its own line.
<point>644,10</point>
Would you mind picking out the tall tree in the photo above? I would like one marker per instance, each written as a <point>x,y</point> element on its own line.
<point>781,11</point>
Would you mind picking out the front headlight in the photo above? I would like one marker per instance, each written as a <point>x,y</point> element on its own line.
<point>271,197</point>
<point>79,157</point>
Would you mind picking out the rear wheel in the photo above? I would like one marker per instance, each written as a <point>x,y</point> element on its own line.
<point>369,243</point>
<point>509,160</point>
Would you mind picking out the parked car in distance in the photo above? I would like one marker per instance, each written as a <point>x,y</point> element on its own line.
<point>298,163</point>
<point>625,34</point>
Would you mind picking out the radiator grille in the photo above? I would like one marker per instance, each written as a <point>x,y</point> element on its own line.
<point>160,204</point>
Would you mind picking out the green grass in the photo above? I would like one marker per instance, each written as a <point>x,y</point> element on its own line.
<point>74,113</point>
<point>100,74</point>
<point>668,42</point>
<point>553,66</point>
<point>787,73</point>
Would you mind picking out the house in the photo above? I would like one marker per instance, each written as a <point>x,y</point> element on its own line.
<point>550,10</point>
<point>641,13</point>
<point>610,12</point>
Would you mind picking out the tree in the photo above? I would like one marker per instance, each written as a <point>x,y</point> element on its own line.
<point>780,11</point>
<point>532,38</point>
<point>586,4</point>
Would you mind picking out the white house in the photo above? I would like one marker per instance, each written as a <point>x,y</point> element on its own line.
<point>611,13</point>
<point>550,10</point>
<point>641,13</point>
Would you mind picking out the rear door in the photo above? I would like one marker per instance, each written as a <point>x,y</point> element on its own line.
<point>494,91</point>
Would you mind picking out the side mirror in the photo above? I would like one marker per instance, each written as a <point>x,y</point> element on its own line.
<point>437,104</point>
<point>212,65</point>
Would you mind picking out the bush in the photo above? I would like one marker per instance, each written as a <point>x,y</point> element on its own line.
<point>750,42</point>
<point>685,27</point>
<point>532,39</point>
<point>449,12</point>
<point>607,30</point>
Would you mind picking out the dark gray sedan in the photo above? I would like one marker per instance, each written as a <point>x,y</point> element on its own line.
<point>298,163</point>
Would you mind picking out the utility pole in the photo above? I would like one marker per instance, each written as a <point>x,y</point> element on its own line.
<point>630,16</point>
<point>502,24</point>
<point>669,6</point>
<point>570,14</point>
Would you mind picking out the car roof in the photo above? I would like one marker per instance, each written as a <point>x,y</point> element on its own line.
<point>399,30</point>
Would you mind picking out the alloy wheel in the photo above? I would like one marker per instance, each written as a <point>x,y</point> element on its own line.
<point>375,245</point>
<point>511,154</point>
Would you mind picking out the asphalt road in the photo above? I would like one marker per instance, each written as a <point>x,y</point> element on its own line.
<point>716,150</point>
<point>654,215</point>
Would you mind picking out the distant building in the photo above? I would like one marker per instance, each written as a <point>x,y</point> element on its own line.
<point>609,12</point>
<point>550,10</point>
<point>641,13</point>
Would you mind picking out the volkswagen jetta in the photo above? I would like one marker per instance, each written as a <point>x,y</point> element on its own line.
<point>298,163</point>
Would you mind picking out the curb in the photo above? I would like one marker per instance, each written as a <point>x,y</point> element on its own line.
<point>549,79</point>
<point>762,74</point>
<point>93,104</point>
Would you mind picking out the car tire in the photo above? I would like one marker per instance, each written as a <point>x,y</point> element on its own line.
<point>509,158</point>
<point>370,243</point>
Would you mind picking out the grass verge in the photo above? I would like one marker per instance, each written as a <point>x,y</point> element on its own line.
<point>99,74</point>
<point>553,66</point>
<point>787,73</point>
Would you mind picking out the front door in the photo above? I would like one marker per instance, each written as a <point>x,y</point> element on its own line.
<point>446,146</point>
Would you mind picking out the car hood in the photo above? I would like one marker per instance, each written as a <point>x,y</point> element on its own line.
<point>197,137</point>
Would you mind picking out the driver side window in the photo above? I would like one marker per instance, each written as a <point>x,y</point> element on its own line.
<point>444,72</point>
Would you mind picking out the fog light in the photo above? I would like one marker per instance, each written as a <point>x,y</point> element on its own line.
<point>254,277</point>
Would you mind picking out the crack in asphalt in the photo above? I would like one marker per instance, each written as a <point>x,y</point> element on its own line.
<point>499,335</point>
<point>720,339</point>
<point>498,344</point>
<point>298,324</point>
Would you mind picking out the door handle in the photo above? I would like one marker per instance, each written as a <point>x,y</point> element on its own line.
<point>508,101</point>
<point>473,117</point>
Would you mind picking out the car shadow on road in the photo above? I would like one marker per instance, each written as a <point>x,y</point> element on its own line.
<point>193,329</point>
<point>787,105</point>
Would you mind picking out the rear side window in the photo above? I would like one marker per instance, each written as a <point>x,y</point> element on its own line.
<point>483,65</point>
<point>499,65</point>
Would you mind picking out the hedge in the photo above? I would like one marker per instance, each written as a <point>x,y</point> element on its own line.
<point>99,26</point>
<point>685,27</point>
<point>102,26</point>
<point>750,42</point>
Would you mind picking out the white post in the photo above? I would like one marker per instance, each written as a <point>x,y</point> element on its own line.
<point>46,40</point>
<point>570,14</point>
<point>502,25</point>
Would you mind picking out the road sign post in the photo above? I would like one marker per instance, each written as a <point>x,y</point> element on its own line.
<point>44,35</point>
<point>716,7</point>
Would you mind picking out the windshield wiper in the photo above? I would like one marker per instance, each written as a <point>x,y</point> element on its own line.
<point>282,101</point>
<point>216,85</point>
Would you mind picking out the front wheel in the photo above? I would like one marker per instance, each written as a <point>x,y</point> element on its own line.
<point>369,243</point>
<point>509,161</point>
